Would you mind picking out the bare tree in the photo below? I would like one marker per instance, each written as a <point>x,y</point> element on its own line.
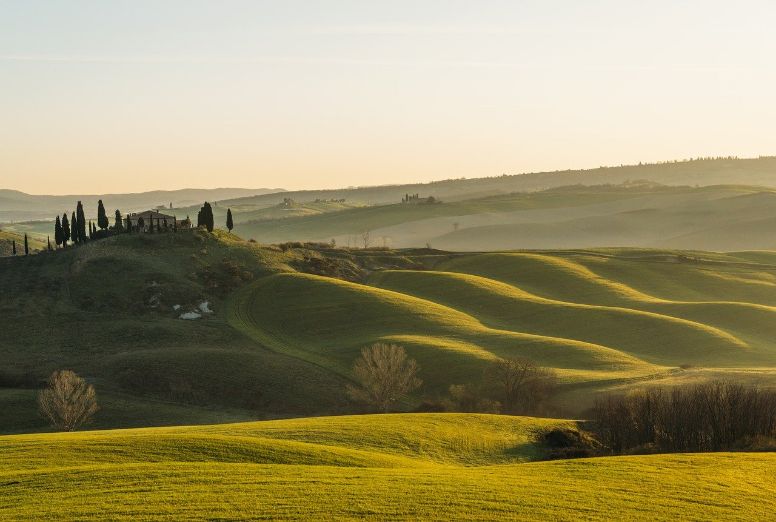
<point>522,385</point>
<point>385,375</point>
<point>67,401</point>
<point>365,238</point>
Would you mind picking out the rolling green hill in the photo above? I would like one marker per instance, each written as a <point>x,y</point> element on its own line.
<point>430,466</point>
<point>285,324</point>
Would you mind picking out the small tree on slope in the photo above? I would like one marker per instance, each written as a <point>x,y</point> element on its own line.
<point>385,375</point>
<point>68,401</point>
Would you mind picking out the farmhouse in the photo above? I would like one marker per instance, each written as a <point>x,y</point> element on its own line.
<point>143,220</point>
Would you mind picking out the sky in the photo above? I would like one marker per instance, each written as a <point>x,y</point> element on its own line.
<point>126,96</point>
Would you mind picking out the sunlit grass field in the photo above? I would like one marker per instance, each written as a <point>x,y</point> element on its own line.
<point>286,329</point>
<point>407,466</point>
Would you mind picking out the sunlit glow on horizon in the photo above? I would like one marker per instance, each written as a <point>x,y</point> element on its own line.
<point>128,97</point>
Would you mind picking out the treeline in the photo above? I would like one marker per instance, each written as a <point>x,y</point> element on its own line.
<point>76,229</point>
<point>704,417</point>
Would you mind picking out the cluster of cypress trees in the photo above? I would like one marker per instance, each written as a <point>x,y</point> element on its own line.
<point>75,228</point>
<point>205,217</point>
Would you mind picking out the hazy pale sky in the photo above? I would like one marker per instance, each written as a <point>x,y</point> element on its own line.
<point>126,96</point>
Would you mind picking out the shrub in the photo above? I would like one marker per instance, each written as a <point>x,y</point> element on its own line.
<point>68,401</point>
<point>385,375</point>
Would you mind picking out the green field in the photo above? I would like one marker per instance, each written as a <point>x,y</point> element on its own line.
<point>287,324</point>
<point>434,466</point>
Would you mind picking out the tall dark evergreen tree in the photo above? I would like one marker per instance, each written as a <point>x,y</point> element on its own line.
<point>26,246</point>
<point>75,229</point>
<point>140,224</point>
<point>205,217</point>
<point>102,218</point>
<point>91,230</point>
<point>48,241</point>
<point>13,246</point>
<point>119,222</point>
<point>81,222</point>
<point>229,222</point>
<point>58,236</point>
<point>65,230</point>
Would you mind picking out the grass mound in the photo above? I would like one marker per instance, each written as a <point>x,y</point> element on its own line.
<point>397,467</point>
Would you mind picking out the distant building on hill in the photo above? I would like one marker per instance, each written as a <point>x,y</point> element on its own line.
<point>152,217</point>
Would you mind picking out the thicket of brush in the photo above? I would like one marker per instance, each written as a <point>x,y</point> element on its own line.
<point>714,416</point>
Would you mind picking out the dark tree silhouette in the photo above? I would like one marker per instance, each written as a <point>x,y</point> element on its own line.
<point>26,246</point>
<point>13,246</point>
<point>65,230</point>
<point>229,222</point>
<point>119,221</point>
<point>205,217</point>
<point>58,235</point>
<point>81,222</point>
<point>140,223</point>
<point>102,218</point>
<point>75,228</point>
<point>48,241</point>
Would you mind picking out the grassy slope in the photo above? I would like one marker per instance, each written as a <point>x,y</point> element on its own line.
<point>437,467</point>
<point>8,236</point>
<point>92,309</point>
<point>327,321</point>
<point>283,343</point>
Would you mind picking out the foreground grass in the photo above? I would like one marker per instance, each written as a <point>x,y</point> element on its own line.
<point>438,467</point>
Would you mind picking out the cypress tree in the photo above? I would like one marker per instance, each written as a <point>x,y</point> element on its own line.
<point>48,240</point>
<point>58,236</point>
<point>119,221</point>
<point>81,222</point>
<point>13,246</point>
<point>91,230</point>
<point>102,218</point>
<point>26,246</point>
<point>207,216</point>
<point>229,222</point>
<point>75,229</point>
<point>65,230</point>
<point>140,223</point>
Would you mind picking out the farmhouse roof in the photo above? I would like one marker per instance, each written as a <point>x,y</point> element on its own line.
<point>148,214</point>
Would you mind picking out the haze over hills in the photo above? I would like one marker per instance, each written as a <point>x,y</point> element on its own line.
<point>19,206</point>
<point>715,204</point>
